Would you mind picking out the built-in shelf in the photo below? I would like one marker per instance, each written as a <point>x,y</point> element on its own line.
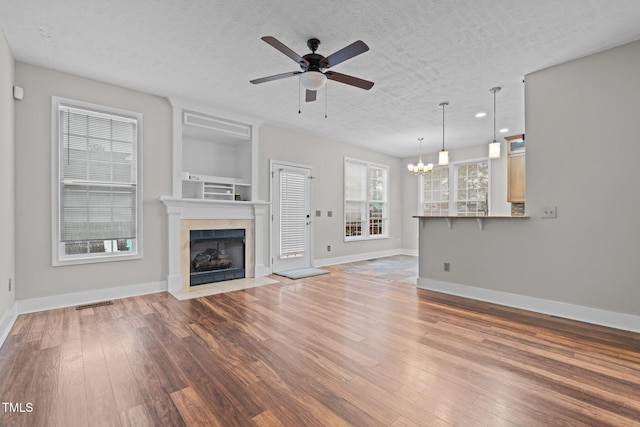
<point>214,157</point>
<point>449,219</point>
<point>215,188</point>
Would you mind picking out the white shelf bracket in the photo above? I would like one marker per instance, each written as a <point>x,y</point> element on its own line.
<point>480,223</point>
<point>449,222</point>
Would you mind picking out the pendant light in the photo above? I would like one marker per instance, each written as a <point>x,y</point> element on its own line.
<point>443,157</point>
<point>420,168</point>
<point>494,147</point>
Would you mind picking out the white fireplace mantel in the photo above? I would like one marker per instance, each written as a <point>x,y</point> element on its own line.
<point>188,209</point>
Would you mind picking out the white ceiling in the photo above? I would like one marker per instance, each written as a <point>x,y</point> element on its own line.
<point>422,52</point>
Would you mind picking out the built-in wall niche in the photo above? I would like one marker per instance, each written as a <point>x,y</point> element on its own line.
<point>216,156</point>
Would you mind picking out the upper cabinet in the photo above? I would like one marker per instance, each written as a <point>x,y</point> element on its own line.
<point>214,157</point>
<point>515,168</point>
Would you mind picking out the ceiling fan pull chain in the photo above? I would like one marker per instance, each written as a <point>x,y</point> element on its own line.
<point>326,100</point>
<point>299,106</point>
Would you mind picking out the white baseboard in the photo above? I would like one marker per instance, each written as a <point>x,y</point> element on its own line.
<point>360,257</point>
<point>596,316</point>
<point>8,319</point>
<point>410,252</point>
<point>77,298</point>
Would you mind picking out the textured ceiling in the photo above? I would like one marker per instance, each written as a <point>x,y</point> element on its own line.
<point>422,52</point>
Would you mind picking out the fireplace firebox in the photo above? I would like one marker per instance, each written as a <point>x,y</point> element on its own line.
<point>216,255</point>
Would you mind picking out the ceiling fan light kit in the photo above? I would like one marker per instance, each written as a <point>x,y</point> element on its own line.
<point>313,80</point>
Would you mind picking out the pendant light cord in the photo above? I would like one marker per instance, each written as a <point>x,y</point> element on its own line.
<point>494,113</point>
<point>443,107</point>
<point>494,90</point>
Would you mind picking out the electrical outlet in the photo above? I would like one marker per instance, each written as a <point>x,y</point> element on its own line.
<point>329,214</point>
<point>328,248</point>
<point>318,213</point>
<point>447,266</point>
<point>549,212</point>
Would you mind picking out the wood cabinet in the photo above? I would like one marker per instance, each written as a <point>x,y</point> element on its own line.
<point>516,176</point>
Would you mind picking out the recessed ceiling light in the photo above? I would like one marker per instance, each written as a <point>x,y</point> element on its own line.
<point>479,115</point>
<point>503,130</point>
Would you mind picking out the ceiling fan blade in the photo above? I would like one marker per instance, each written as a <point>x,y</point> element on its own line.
<point>284,49</point>
<point>311,95</point>
<point>349,80</point>
<point>354,49</point>
<point>275,77</point>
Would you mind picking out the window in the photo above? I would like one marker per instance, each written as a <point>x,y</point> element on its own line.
<point>435,192</point>
<point>470,193</point>
<point>472,188</point>
<point>96,193</point>
<point>365,200</point>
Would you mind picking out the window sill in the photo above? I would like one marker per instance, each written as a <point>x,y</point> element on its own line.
<point>361,239</point>
<point>95,259</point>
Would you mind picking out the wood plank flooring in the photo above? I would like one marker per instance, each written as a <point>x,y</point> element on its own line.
<point>334,350</point>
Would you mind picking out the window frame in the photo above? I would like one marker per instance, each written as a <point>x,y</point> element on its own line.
<point>366,221</point>
<point>453,186</point>
<point>58,256</point>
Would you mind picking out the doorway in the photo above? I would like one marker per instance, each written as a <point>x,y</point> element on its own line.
<point>291,216</point>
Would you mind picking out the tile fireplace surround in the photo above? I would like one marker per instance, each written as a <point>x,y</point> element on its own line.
<point>184,215</point>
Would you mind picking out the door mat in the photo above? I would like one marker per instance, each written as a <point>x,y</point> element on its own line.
<point>301,273</point>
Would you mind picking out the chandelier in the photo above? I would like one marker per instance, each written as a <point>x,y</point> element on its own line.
<point>420,168</point>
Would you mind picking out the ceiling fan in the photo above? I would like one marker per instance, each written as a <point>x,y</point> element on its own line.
<point>313,75</point>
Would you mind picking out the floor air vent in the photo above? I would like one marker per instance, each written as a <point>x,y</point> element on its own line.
<point>94,305</point>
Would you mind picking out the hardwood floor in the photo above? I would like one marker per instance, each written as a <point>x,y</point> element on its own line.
<point>332,350</point>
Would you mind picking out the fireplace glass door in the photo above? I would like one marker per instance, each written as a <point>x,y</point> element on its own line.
<point>216,255</point>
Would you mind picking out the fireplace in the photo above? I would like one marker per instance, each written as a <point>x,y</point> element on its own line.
<point>185,215</point>
<point>216,255</point>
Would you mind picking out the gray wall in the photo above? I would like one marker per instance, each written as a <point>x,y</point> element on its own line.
<point>582,156</point>
<point>35,277</point>
<point>327,157</point>
<point>7,146</point>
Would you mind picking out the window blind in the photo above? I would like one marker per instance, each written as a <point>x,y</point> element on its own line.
<point>293,211</point>
<point>98,176</point>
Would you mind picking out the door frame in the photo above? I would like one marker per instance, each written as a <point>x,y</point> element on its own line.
<point>274,165</point>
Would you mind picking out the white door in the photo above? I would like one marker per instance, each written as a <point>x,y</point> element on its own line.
<point>291,219</point>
